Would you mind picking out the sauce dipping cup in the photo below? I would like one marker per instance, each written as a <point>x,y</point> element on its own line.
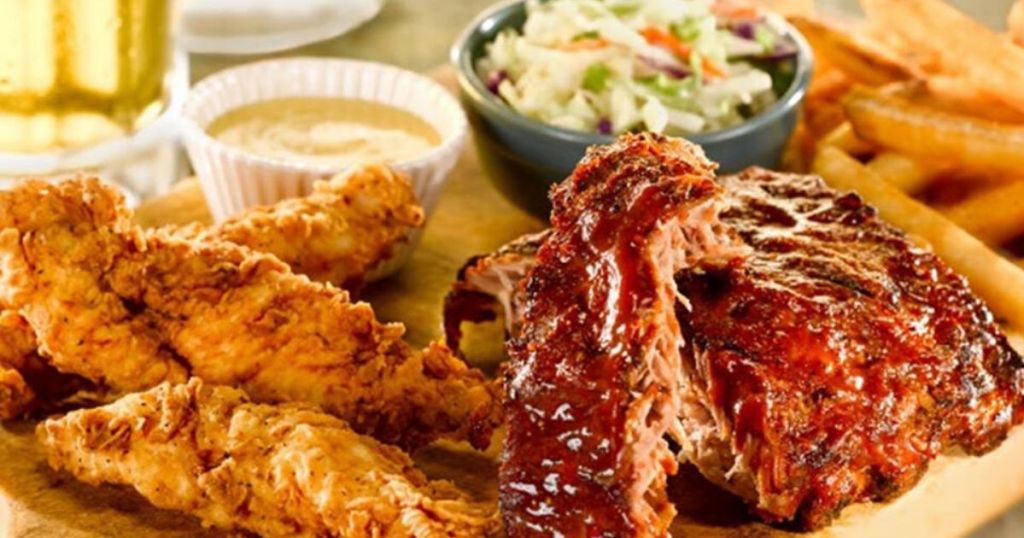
<point>233,179</point>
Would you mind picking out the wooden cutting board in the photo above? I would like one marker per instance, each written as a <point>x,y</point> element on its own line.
<point>957,495</point>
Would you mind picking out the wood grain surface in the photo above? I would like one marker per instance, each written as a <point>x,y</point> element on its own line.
<point>957,495</point>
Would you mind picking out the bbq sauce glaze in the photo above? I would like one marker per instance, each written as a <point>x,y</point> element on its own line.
<point>592,314</point>
<point>844,358</point>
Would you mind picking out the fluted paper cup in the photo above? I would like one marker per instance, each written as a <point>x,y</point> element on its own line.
<point>233,179</point>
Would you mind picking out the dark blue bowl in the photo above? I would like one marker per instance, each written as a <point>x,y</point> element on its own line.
<point>525,157</point>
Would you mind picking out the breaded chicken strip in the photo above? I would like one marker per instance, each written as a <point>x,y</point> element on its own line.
<point>284,470</point>
<point>27,380</point>
<point>56,240</point>
<point>17,348</point>
<point>128,309</point>
<point>338,233</point>
<point>346,227</point>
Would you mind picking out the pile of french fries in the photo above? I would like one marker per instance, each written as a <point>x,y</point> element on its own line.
<point>920,109</point>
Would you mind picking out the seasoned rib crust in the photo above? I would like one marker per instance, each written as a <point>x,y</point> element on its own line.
<point>831,365</point>
<point>284,470</point>
<point>592,387</point>
<point>838,359</point>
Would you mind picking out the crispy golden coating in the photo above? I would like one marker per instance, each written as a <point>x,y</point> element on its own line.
<point>17,347</point>
<point>284,470</point>
<point>16,340</point>
<point>338,233</point>
<point>128,309</point>
<point>27,380</point>
<point>244,319</point>
<point>16,397</point>
<point>50,271</point>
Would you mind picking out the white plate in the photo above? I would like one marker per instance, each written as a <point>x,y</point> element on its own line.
<point>261,26</point>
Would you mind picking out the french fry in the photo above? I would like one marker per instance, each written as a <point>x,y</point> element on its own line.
<point>862,60</point>
<point>995,279</point>
<point>823,118</point>
<point>828,81</point>
<point>994,215</point>
<point>1015,22</point>
<point>828,84</point>
<point>845,139</point>
<point>1015,338</point>
<point>961,46</point>
<point>823,109</point>
<point>895,123</point>
<point>798,151</point>
<point>955,94</point>
<point>905,173</point>
<point>921,60</point>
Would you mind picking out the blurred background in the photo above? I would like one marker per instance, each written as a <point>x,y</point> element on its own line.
<point>416,34</point>
<point>98,84</point>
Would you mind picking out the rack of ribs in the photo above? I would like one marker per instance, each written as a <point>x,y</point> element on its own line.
<point>592,388</point>
<point>828,366</point>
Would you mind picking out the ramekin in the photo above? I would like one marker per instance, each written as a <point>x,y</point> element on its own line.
<point>233,179</point>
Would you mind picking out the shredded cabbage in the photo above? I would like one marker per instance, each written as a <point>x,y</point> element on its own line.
<point>612,66</point>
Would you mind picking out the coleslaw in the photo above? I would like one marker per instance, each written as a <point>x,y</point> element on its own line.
<point>611,66</point>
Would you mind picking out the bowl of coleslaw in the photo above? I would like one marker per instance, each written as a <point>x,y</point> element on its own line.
<point>543,80</point>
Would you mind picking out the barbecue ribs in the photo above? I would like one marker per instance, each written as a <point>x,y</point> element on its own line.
<point>593,387</point>
<point>828,366</point>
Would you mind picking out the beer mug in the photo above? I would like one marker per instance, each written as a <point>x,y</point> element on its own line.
<point>87,84</point>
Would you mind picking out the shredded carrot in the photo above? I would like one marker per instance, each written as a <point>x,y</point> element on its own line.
<point>661,38</point>
<point>711,69</point>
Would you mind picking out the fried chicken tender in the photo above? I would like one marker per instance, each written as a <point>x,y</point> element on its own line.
<point>17,348</point>
<point>340,232</point>
<point>27,381</point>
<point>16,397</point>
<point>129,309</point>
<point>55,241</point>
<point>284,470</point>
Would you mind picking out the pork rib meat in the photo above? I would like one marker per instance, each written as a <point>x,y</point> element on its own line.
<point>592,388</point>
<point>829,367</point>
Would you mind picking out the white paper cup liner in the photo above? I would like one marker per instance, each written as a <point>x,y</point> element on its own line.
<point>233,180</point>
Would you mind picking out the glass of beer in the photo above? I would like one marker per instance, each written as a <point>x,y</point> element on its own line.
<point>85,84</point>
